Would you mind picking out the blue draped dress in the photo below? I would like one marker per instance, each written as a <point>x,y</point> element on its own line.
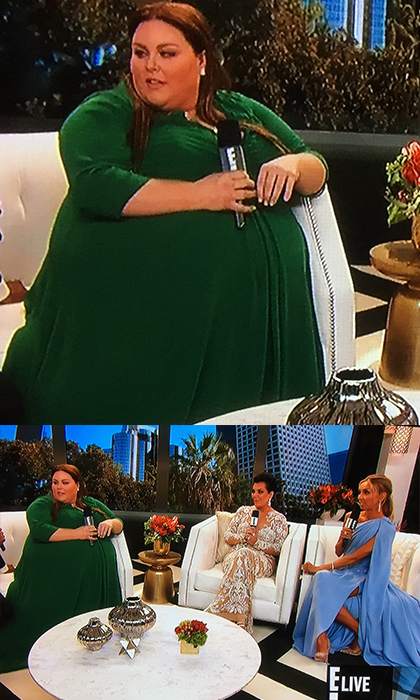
<point>389,618</point>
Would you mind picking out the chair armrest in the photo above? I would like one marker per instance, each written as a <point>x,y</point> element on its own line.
<point>124,564</point>
<point>315,553</point>
<point>413,578</point>
<point>332,287</point>
<point>200,554</point>
<point>289,569</point>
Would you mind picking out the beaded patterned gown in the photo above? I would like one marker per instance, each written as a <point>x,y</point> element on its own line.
<point>245,563</point>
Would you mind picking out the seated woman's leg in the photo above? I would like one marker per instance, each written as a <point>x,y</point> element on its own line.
<point>241,568</point>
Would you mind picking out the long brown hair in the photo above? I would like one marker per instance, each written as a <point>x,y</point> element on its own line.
<point>195,28</point>
<point>383,485</point>
<point>76,475</point>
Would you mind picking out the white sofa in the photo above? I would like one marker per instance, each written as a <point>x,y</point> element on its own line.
<point>15,528</point>
<point>273,597</point>
<point>320,549</point>
<point>33,185</point>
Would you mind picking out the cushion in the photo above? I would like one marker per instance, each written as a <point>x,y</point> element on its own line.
<point>401,553</point>
<point>210,580</point>
<point>223,522</point>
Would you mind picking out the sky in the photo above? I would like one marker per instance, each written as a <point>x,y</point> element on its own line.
<point>337,436</point>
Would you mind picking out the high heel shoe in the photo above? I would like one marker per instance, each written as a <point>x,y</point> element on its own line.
<point>353,652</point>
<point>323,655</point>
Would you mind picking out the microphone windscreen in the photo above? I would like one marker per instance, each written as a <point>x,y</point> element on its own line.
<point>87,512</point>
<point>228,133</point>
<point>255,514</point>
<point>355,511</point>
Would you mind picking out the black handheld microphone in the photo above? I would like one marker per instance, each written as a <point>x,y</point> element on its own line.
<point>88,518</point>
<point>254,518</point>
<point>352,518</point>
<point>229,139</point>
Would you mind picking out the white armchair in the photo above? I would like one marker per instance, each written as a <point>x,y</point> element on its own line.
<point>273,597</point>
<point>320,549</point>
<point>15,528</point>
<point>33,185</point>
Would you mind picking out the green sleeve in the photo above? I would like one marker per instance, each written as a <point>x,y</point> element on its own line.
<point>39,519</point>
<point>94,503</point>
<point>96,156</point>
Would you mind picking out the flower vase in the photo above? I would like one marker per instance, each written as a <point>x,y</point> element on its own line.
<point>187,648</point>
<point>415,231</point>
<point>161,548</point>
<point>328,519</point>
<point>353,397</point>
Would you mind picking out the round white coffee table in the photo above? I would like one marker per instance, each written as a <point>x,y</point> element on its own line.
<point>228,661</point>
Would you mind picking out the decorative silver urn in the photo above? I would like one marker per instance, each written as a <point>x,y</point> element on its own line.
<point>94,635</point>
<point>353,397</point>
<point>131,619</point>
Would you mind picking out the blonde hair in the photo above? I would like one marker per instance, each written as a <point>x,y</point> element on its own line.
<point>383,485</point>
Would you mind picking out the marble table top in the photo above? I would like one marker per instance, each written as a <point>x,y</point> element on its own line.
<point>228,661</point>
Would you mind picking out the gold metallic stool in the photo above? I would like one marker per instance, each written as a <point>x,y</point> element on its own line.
<point>400,361</point>
<point>158,584</point>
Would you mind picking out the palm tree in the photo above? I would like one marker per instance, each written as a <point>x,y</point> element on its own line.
<point>203,478</point>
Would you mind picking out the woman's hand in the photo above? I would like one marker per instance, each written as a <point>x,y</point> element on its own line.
<point>251,535</point>
<point>86,532</point>
<point>309,568</point>
<point>221,191</point>
<point>276,177</point>
<point>105,528</point>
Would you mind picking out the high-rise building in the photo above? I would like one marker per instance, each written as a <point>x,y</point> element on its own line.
<point>365,20</point>
<point>296,454</point>
<point>131,448</point>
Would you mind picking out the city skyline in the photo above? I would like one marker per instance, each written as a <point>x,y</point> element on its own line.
<point>337,436</point>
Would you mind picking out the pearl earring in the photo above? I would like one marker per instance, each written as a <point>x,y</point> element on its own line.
<point>202,71</point>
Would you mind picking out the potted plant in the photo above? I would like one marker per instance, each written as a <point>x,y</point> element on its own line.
<point>192,634</point>
<point>331,499</point>
<point>161,530</point>
<point>403,190</point>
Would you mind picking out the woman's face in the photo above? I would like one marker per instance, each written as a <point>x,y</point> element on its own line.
<point>165,69</point>
<point>369,496</point>
<point>260,495</point>
<point>64,487</point>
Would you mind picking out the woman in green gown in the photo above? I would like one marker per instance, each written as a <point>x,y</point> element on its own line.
<point>60,574</point>
<point>151,305</point>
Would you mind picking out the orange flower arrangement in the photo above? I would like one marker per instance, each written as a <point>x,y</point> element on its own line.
<point>403,190</point>
<point>162,527</point>
<point>331,497</point>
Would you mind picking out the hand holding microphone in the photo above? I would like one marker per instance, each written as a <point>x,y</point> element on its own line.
<point>89,523</point>
<point>232,159</point>
<point>251,534</point>
<point>350,524</point>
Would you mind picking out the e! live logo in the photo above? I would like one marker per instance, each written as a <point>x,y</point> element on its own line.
<point>356,682</point>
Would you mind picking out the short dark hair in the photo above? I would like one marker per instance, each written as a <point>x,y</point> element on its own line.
<point>268,479</point>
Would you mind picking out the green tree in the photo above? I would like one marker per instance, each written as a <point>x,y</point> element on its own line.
<point>26,468</point>
<point>203,478</point>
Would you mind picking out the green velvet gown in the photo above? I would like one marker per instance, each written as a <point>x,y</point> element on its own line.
<point>171,318</point>
<point>56,580</point>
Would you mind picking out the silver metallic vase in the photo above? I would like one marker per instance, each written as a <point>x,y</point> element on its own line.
<point>131,619</point>
<point>94,635</point>
<point>353,397</point>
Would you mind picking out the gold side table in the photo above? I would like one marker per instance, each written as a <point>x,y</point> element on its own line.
<point>400,362</point>
<point>158,584</point>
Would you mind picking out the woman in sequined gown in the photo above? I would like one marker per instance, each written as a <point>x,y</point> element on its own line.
<point>253,553</point>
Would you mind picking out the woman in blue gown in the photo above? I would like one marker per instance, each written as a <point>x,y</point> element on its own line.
<point>351,605</point>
